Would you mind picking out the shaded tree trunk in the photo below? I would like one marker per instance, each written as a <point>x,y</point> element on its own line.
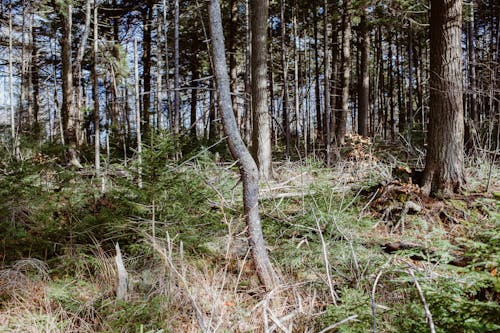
<point>444,170</point>
<point>364,78</point>
<point>248,167</point>
<point>146,62</point>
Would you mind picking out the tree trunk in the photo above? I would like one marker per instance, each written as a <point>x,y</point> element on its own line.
<point>11,84</point>
<point>261,120</point>
<point>364,78</point>
<point>177,109</point>
<point>248,167</point>
<point>444,170</point>
<point>346,73</point>
<point>137,116</point>
<point>284,66</point>
<point>146,62</point>
<point>68,113</point>
<point>95,95</point>
<point>326,88</point>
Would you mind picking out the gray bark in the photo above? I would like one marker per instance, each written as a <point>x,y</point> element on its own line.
<point>247,165</point>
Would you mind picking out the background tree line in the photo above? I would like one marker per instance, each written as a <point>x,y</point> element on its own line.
<point>333,67</point>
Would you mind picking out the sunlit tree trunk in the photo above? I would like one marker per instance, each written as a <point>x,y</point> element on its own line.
<point>346,73</point>
<point>68,110</point>
<point>248,167</point>
<point>177,109</point>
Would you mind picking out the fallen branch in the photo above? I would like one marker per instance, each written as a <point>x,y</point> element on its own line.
<point>343,321</point>
<point>457,260</point>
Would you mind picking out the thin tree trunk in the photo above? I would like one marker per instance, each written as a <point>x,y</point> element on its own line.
<point>11,84</point>
<point>137,116</point>
<point>364,78</point>
<point>248,167</point>
<point>326,89</point>
<point>95,94</point>
<point>284,66</point>
<point>391,87</point>
<point>177,110</point>
<point>316,77</point>
<point>146,61</point>
<point>296,81</point>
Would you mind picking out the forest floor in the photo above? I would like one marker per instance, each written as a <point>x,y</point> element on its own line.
<point>358,247</point>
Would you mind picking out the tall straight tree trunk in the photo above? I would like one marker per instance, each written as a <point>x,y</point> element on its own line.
<point>11,84</point>
<point>248,167</point>
<point>364,78</point>
<point>444,170</point>
<point>233,70</point>
<point>68,114</point>
<point>319,115</point>
<point>177,108</point>
<point>137,116</point>
<point>194,95</point>
<point>146,62</point>
<point>261,120</point>
<point>409,114</point>
<point>400,72</point>
<point>391,87</point>
<point>247,119</point>
<point>284,66</point>
<point>326,88</point>
<point>95,95</point>
<point>346,73</point>
<point>296,81</point>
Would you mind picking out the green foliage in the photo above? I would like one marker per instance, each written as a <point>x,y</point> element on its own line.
<point>352,302</point>
<point>455,304</point>
<point>141,315</point>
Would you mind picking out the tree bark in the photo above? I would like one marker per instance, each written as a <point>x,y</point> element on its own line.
<point>68,114</point>
<point>261,120</point>
<point>284,66</point>
<point>137,116</point>
<point>346,73</point>
<point>364,78</point>
<point>444,170</point>
<point>248,168</point>
<point>146,62</point>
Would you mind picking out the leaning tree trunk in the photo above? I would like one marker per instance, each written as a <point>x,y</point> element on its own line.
<point>247,165</point>
<point>444,170</point>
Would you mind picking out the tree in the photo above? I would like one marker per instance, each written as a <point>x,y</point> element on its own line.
<point>248,167</point>
<point>364,77</point>
<point>341,122</point>
<point>444,170</point>
<point>261,121</point>
<point>68,111</point>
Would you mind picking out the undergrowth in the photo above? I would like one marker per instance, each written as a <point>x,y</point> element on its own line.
<point>184,244</point>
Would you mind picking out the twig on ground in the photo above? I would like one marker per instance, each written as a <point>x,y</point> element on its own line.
<point>343,321</point>
<point>428,313</point>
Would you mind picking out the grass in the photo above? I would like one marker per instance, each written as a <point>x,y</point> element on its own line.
<point>183,241</point>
